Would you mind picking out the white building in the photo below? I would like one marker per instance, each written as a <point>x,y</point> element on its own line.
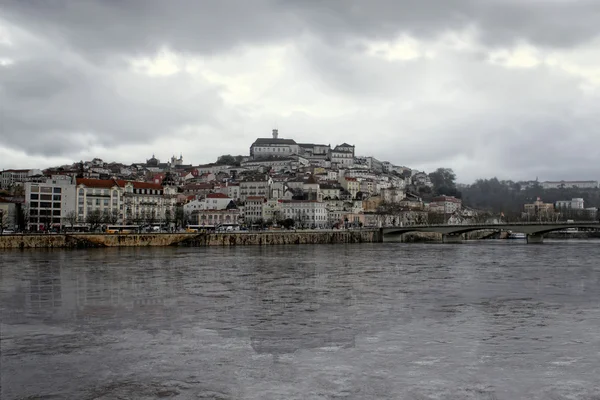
<point>253,208</point>
<point>573,204</point>
<point>342,156</point>
<point>255,188</point>
<point>9,177</point>
<point>570,184</point>
<point>273,147</point>
<point>445,205</point>
<point>125,202</point>
<point>49,204</point>
<point>306,213</point>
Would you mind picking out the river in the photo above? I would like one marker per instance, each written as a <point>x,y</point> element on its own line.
<point>483,320</point>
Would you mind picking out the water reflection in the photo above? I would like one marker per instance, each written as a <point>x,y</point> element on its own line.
<point>372,312</point>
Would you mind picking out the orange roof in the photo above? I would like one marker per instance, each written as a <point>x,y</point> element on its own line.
<point>255,198</point>
<point>97,183</point>
<point>217,196</point>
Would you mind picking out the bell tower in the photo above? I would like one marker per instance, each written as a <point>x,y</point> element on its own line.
<point>275,133</point>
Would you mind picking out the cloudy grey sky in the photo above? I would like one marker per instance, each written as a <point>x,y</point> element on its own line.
<point>507,88</point>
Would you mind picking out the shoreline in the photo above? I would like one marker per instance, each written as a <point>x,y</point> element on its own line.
<point>99,240</point>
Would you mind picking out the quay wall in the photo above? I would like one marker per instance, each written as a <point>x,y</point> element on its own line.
<point>81,240</point>
<point>420,237</point>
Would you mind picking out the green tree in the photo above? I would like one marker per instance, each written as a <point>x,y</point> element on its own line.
<point>444,182</point>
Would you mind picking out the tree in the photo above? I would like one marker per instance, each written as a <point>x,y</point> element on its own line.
<point>23,216</point>
<point>71,218</point>
<point>288,223</point>
<point>94,219</point>
<point>110,217</point>
<point>444,182</point>
<point>168,217</point>
<point>3,220</point>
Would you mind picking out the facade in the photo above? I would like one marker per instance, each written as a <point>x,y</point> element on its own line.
<point>539,208</point>
<point>215,218</point>
<point>125,202</point>
<point>217,201</point>
<point>570,184</point>
<point>306,213</point>
<point>255,188</point>
<point>351,185</point>
<point>573,204</point>
<point>272,211</point>
<point>9,177</point>
<point>445,205</point>
<point>253,210</point>
<point>273,147</point>
<point>51,204</point>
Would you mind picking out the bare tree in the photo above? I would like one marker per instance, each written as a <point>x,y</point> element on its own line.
<point>110,217</point>
<point>3,220</point>
<point>94,219</point>
<point>71,218</point>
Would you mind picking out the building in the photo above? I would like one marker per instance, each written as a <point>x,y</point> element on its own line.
<point>103,196</point>
<point>254,209</point>
<point>445,205</point>
<point>217,201</point>
<point>10,177</point>
<point>51,204</point>
<point>216,218</point>
<point>273,147</point>
<point>570,185</point>
<point>125,202</point>
<point>305,213</point>
<point>539,208</point>
<point>342,156</point>
<point>272,211</point>
<point>351,185</point>
<point>255,187</point>
<point>573,204</point>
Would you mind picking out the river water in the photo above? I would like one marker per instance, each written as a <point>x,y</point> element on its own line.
<point>484,320</point>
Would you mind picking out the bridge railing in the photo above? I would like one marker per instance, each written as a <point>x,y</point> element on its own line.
<point>560,223</point>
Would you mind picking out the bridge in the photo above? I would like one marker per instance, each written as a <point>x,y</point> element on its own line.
<point>454,233</point>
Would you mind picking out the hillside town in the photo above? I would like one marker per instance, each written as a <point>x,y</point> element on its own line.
<point>281,183</point>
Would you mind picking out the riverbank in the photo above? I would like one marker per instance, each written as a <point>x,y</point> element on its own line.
<point>86,240</point>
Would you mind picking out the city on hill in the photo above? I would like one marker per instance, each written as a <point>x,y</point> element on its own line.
<point>280,183</point>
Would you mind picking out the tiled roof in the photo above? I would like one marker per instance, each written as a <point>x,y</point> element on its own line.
<point>268,141</point>
<point>98,183</point>
<point>255,198</point>
<point>217,196</point>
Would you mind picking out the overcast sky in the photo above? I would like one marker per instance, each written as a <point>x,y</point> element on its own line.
<point>507,88</point>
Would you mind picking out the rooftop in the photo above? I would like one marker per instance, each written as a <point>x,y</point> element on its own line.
<point>270,141</point>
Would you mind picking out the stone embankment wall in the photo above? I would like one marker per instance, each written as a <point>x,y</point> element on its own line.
<point>188,239</point>
<point>417,237</point>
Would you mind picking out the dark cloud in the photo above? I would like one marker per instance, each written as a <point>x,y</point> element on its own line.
<point>107,26</point>
<point>70,84</point>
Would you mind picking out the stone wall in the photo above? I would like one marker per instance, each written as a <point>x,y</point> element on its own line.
<point>188,239</point>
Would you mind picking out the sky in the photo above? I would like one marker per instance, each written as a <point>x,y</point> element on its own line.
<point>506,88</point>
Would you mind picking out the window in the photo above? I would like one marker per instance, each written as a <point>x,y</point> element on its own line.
<point>46,189</point>
<point>106,202</point>
<point>80,210</point>
<point>45,204</point>
<point>81,192</point>
<point>97,202</point>
<point>56,213</point>
<point>57,190</point>
<point>34,204</point>
<point>35,188</point>
<point>46,197</point>
<point>56,197</point>
<point>34,196</point>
